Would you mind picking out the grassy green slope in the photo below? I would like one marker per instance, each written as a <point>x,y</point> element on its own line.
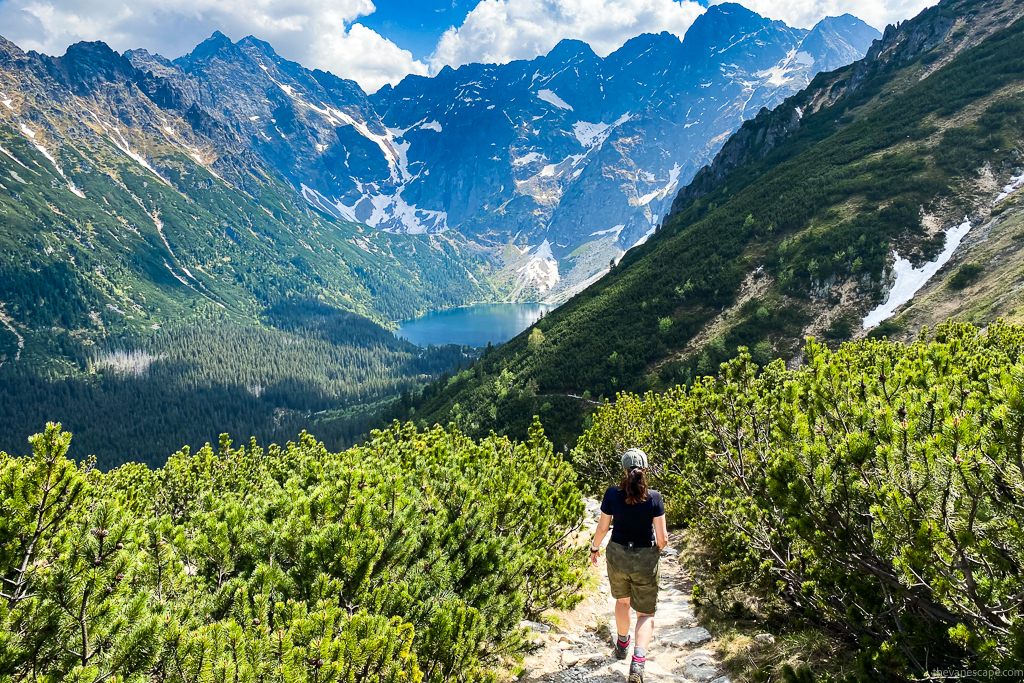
<point>823,210</point>
<point>157,250</point>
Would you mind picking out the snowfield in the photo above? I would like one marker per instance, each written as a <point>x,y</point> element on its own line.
<point>553,99</point>
<point>909,279</point>
<point>1015,184</point>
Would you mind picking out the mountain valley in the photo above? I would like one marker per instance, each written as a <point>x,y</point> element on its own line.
<point>237,191</point>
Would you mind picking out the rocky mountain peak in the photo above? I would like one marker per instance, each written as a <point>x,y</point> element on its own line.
<point>645,52</point>
<point>88,63</point>
<point>833,39</point>
<point>9,52</point>
<point>217,45</point>
<point>722,26</point>
<point>569,51</point>
<point>147,62</point>
<point>557,164</point>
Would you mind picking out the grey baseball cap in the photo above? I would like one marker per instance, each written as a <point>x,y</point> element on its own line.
<point>634,457</point>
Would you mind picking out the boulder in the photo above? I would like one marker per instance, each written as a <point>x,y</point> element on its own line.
<point>534,626</point>
<point>684,637</point>
<point>700,667</point>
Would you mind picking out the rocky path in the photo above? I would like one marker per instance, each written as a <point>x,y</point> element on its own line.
<point>578,647</point>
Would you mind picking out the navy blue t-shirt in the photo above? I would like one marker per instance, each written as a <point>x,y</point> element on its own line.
<point>632,523</point>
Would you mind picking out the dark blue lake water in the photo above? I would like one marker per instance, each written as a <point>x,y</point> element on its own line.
<point>472,325</point>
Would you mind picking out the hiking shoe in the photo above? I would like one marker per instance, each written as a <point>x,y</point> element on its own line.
<point>636,672</point>
<point>622,649</point>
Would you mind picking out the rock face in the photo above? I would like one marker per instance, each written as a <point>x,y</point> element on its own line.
<point>578,156</point>
<point>554,166</point>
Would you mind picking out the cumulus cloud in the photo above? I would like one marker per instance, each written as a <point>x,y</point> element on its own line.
<point>317,33</point>
<point>805,13</point>
<point>503,30</point>
<point>326,34</point>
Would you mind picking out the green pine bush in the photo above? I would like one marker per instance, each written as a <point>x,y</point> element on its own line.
<point>410,558</point>
<point>877,490</point>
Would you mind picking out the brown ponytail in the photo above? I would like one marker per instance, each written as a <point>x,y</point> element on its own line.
<point>635,486</point>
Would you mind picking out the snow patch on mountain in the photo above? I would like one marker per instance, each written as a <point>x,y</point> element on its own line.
<point>673,180</point>
<point>31,135</point>
<point>13,158</point>
<point>7,101</point>
<point>788,69</point>
<point>390,213</point>
<point>566,164</point>
<point>590,134</point>
<point>387,211</point>
<point>385,142</point>
<point>551,98</point>
<point>646,236</point>
<point>122,145</point>
<point>71,186</point>
<point>541,270</point>
<point>527,159</point>
<point>594,134</point>
<point>616,230</point>
<point>909,279</point>
<point>1016,182</point>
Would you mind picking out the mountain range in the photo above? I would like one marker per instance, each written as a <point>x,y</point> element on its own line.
<point>236,191</point>
<point>511,156</point>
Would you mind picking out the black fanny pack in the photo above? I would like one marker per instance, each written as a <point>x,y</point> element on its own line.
<point>634,545</point>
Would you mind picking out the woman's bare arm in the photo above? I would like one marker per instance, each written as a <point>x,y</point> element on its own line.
<point>599,534</point>
<point>661,532</point>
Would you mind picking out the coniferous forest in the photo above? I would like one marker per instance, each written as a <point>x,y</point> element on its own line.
<point>410,558</point>
<point>140,397</point>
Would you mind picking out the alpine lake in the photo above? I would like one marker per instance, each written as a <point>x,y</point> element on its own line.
<point>475,325</point>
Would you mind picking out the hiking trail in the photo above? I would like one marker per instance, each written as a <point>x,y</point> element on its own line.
<point>579,648</point>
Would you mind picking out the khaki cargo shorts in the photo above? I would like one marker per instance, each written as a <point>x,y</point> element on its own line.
<point>635,574</point>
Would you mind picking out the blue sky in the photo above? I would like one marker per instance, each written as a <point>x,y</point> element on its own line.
<point>416,26</point>
<point>381,42</point>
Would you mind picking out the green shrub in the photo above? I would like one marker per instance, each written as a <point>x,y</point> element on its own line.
<point>968,273</point>
<point>842,327</point>
<point>876,490</point>
<point>886,328</point>
<point>412,557</point>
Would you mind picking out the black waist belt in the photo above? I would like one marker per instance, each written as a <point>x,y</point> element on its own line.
<point>634,544</point>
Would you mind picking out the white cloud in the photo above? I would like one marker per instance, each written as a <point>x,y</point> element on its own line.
<point>503,30</point>
<point>317,33</point>
<point>806,13</point>
<point>325,34</point>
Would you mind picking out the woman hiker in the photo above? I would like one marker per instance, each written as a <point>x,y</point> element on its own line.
<point>633,556</point>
